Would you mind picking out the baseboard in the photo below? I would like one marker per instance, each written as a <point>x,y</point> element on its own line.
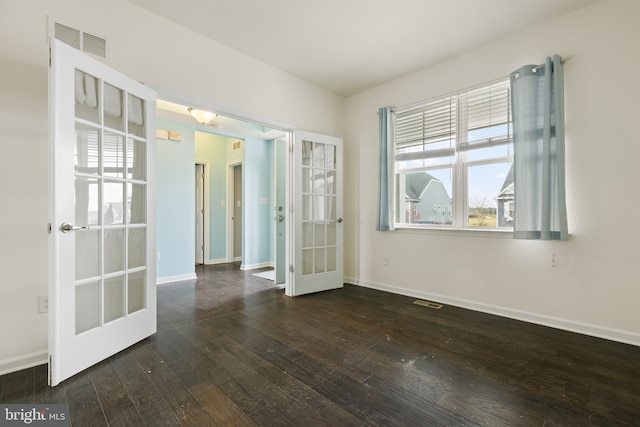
<point>618,335</point>
<point>216,261</point>
<point>178,278</point>
<point>19,363</point>
<point>254,266</point>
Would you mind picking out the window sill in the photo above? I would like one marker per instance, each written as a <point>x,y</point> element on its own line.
<point>453,231</point>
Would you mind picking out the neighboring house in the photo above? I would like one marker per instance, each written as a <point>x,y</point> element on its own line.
<point>426,200</point>
<point>505,200</point>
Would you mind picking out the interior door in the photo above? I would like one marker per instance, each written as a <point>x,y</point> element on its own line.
<point>199,217</point>
<point>280,267</point>
<point>317,214</point>
<point>102,212</point>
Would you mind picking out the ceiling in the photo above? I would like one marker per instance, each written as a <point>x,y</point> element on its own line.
<point>347,46</point>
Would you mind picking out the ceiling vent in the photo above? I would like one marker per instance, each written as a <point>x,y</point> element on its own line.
<point>78,39</point>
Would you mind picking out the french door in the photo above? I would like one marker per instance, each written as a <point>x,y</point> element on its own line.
<point>317,214</point>
<point>102,295</point>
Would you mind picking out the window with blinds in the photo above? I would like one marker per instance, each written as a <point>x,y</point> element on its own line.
<point>453,159</point>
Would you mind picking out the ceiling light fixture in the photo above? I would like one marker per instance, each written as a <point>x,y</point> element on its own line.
<point>203,117</point>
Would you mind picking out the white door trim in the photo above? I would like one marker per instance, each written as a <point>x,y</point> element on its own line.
<point>206,207</point>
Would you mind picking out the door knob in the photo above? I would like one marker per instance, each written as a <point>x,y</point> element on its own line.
<point>66,227</point>
<point>280,218</point>
<point>339,220</point>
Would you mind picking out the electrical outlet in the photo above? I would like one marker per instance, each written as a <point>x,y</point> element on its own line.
<point>157,256</point>
<point>43,304</point>
<point>385,260</point>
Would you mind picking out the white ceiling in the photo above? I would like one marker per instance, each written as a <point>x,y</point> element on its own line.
<point>347,46</point>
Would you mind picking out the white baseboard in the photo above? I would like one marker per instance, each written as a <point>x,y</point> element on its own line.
<point>626,337</point>
<point>178,278</point>
<point>254,266</point>
<point>19,363</point>
<point>216,261</point>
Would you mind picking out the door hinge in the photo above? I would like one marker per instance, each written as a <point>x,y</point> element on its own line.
<point>49,56</point>
<point>291,146</point>
<point>49,228</point>
<point>291,268</point>
<point>50,369</point>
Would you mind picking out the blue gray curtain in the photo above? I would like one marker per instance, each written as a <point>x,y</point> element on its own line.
<point>538,134</point>
<point>384,221</point>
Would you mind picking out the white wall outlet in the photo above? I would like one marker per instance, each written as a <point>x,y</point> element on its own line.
<point>385,260</point>
<point>43,304</point>
<point>157,256</point>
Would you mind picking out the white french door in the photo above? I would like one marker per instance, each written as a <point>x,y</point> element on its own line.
<point>317,214</point>
<point>102,295</point>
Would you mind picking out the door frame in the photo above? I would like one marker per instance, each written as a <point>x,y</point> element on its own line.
<point>205,206</point>
<point>230,212</point>
<point>287,130</point>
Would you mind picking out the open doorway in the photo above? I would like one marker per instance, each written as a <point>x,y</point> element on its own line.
<point>224,142</point>
<point>199,213</point>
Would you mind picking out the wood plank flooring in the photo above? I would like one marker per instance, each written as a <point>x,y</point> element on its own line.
<point>232,350</point>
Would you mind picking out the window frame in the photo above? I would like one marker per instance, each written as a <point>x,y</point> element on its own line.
<point>460,167</point>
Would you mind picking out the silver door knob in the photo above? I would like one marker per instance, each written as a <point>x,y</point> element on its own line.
<point>66,227</point>
<point>280,218</point>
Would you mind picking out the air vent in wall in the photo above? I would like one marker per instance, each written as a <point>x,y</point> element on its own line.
<point>236,145</point>
<point>78,39</point>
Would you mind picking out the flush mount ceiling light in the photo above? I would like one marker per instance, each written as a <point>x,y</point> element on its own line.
<point>203,117</point>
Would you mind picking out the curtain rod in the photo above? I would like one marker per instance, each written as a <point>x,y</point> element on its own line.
<point>562,61</point>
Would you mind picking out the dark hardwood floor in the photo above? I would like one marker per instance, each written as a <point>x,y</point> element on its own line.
<point>232,350</point>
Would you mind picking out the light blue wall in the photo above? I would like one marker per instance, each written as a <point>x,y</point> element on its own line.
<point>257,230</point>
<point>213,148</point>
<point>175,198</point>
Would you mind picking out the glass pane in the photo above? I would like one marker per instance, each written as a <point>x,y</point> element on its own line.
<point>307,261</point>
<point>331,233</point>
<point>113,155</point>
<point>113,250</point>
<point>319,261</point>
<point>87,151</point>
<point>135,115</point>
<point>306,208</point>
<point>318,155</point>
<point>491,195</point>
<point>86,201</point>
<point>319,208</point>
<point>113,107</point>
<point>87,306</point>
<point>86,95</point>
<point>136,160</point>
<point>307,234</point>
<point>490,152</point>
<point>318,181</point>
<point>331,156</point>
<point>113,203</point>
<point>307,148</point>
<point>330,183</point>
<point>427,197</point>
<point>113,298</point>
<point>307,180</point>
<point>331,259</point>
<point>87,245</point>
<point>136,291</point>
<point>137,247</point>
<point>137,203</point>
<point>320,233</point>
<point>331,208</point>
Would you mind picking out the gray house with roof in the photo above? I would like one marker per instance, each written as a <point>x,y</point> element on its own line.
<point>427,200</point>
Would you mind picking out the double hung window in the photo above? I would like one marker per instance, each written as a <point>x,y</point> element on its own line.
<point>453,160</point>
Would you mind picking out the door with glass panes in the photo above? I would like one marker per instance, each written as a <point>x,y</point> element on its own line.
<point>317,214</point>
<point>102,212</point>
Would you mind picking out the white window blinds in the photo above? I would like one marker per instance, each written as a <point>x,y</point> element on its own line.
<point>475,119</point>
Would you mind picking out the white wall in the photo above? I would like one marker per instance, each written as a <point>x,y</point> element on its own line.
<point>594,287</point>
<point>148,48</point>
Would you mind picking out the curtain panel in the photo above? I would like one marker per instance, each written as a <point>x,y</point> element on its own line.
<point>538,135</point>
<point>385,220</point>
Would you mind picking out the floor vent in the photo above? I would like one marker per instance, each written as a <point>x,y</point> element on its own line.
<point>78,39</point>
<point>429,304</point>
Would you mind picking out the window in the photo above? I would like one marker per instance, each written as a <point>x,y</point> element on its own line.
<point>454,159</point>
